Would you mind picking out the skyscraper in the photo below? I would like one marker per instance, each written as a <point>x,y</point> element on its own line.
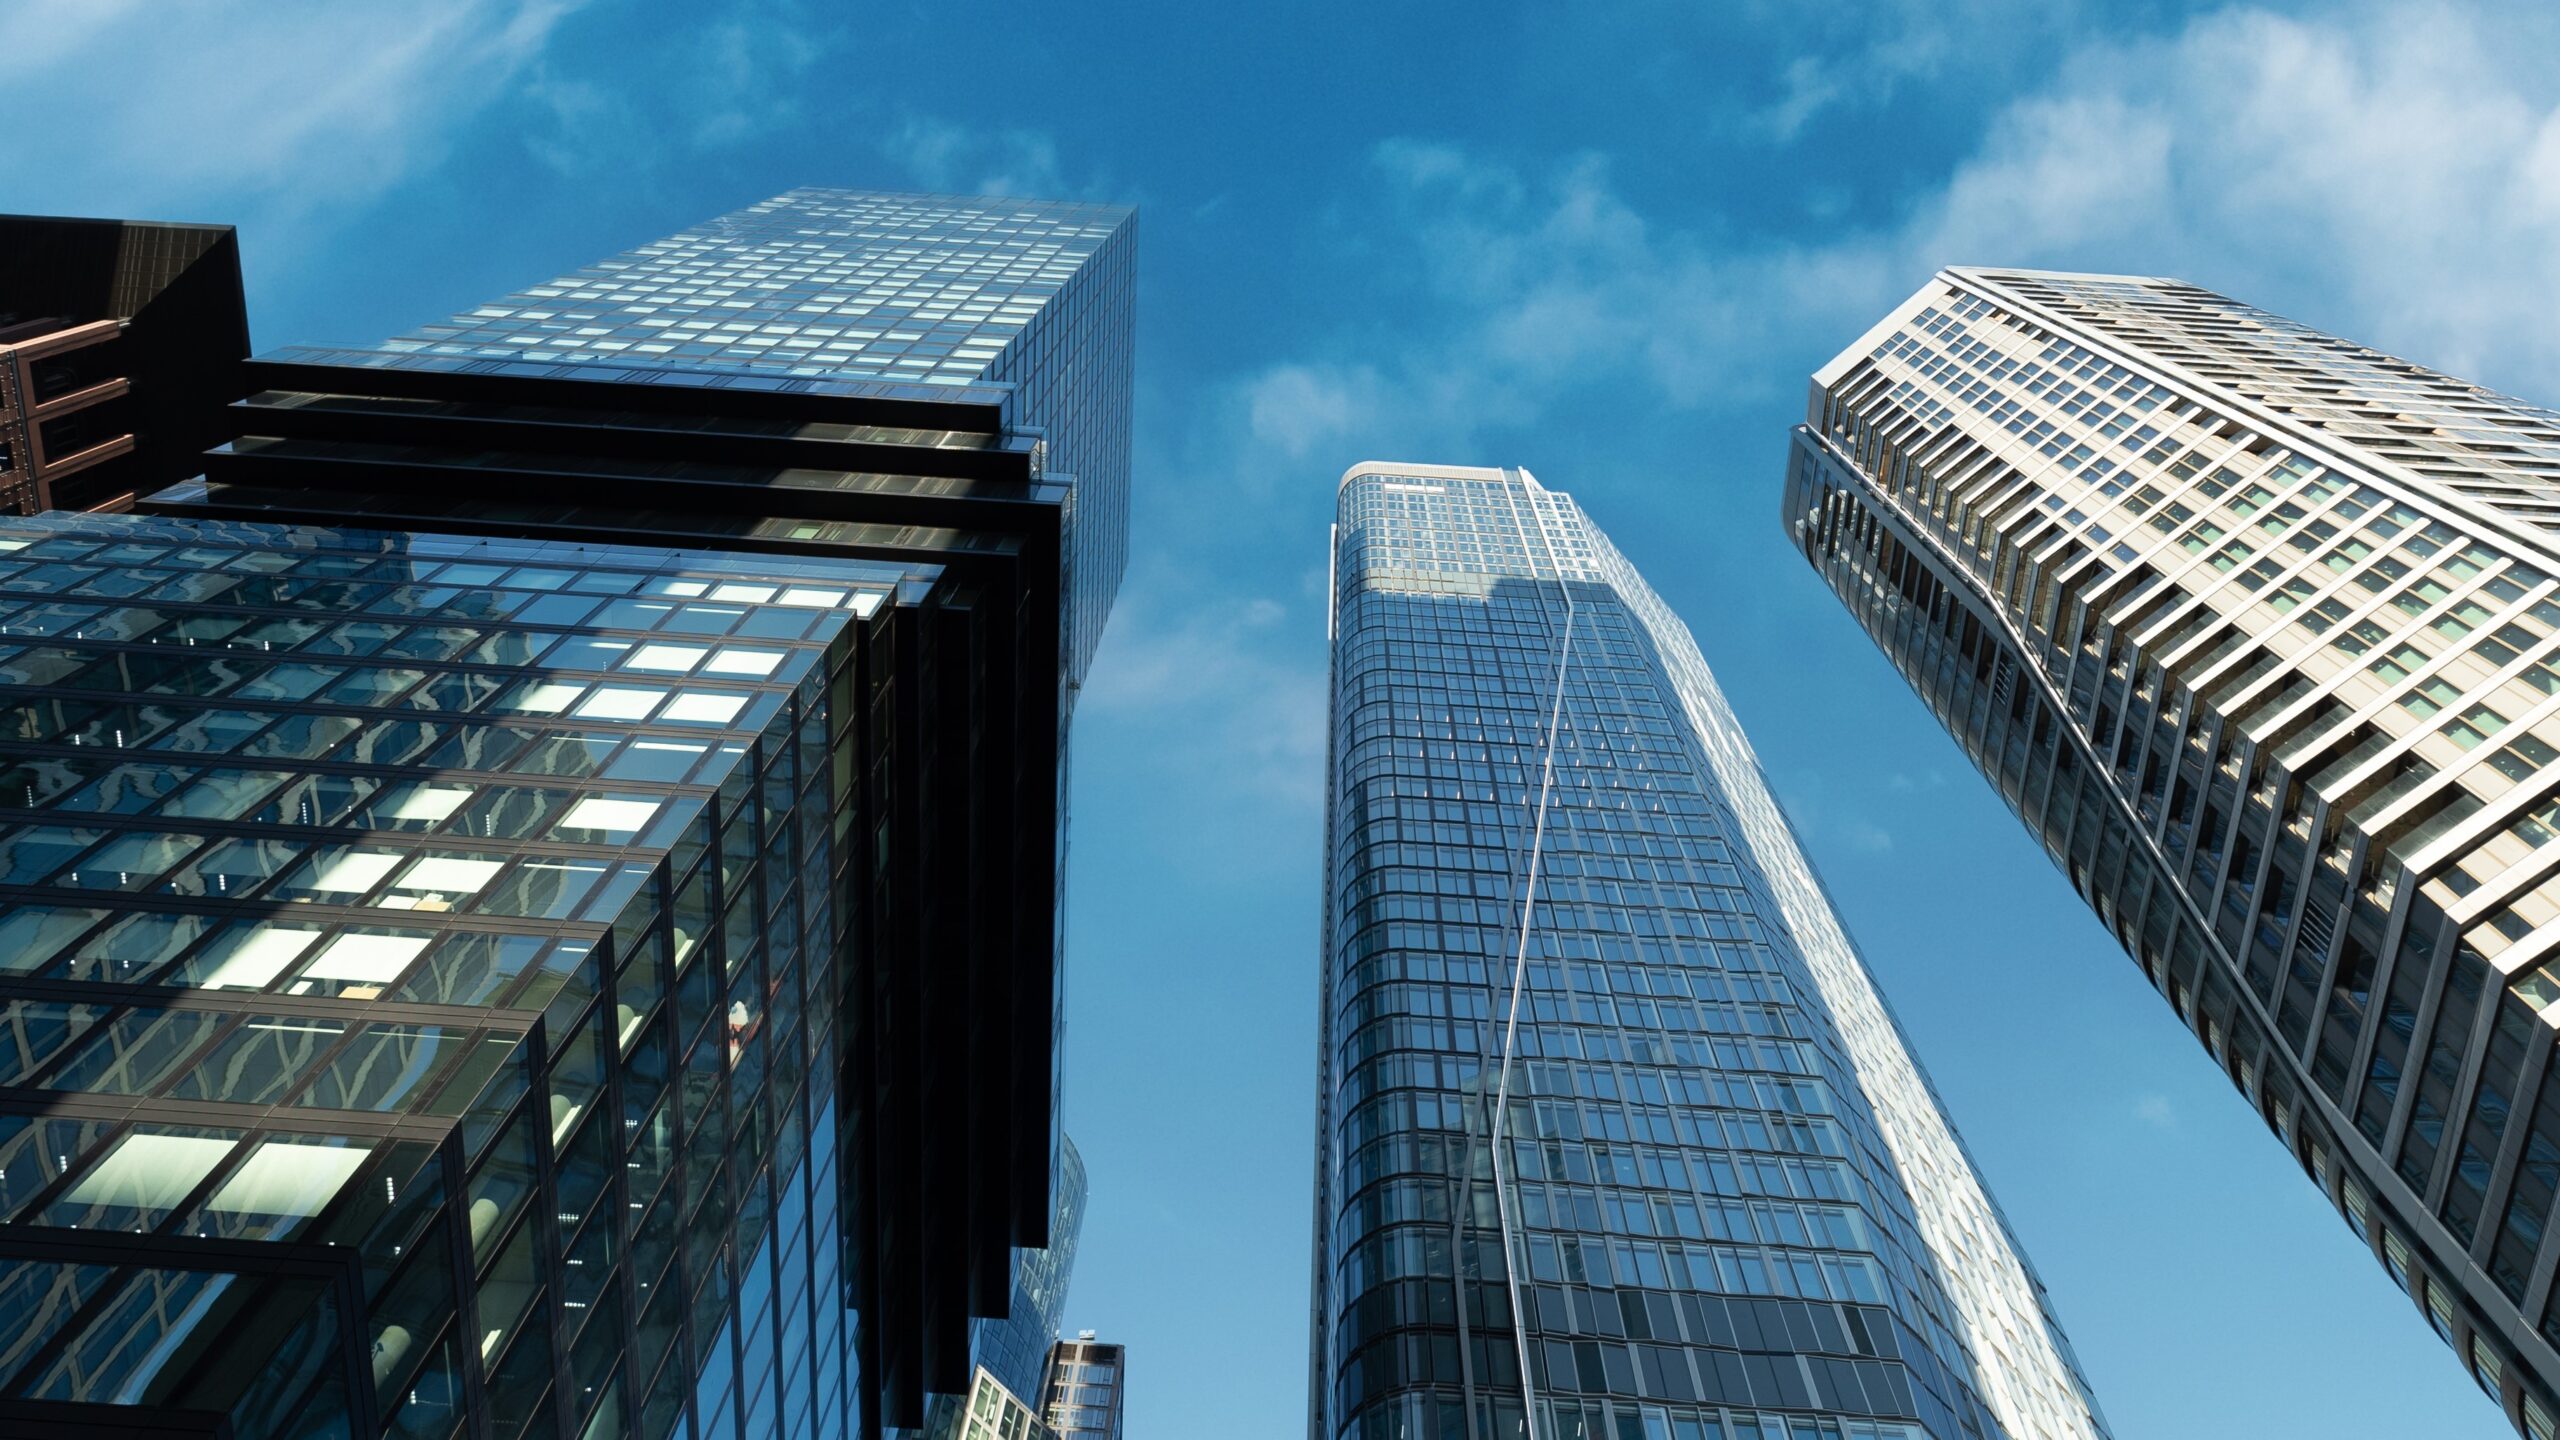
<point>533,888</point>
<point>1595,1050</point>
<point>1086,1394</point>
<point>2254,628</point>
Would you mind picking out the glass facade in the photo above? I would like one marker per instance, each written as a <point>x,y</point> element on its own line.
<point>1616,1137</point>
<point>464,972</point>
<point>1023,303</point>
<point>993,1412</point>
<point>417,950</point>
<point>2257,630</point>
<point>1086,1394</point>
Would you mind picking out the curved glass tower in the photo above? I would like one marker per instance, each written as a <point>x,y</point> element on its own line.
<point>1615,1136</point>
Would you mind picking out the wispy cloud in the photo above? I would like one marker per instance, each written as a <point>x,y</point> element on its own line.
<point>297,105</point>
<point>2156,1112</point>
<point>2390,169</point>
<point>702,85</point>
<point>961,159</point>
<point>1227,694</point>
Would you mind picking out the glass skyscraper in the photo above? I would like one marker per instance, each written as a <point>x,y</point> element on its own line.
<point>530,899</point>
<point>2257,630</point>
<point>1616,1138</point>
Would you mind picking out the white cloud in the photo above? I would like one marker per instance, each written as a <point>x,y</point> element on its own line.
<point>960,159</point>
<point>1299,407</point>
<point>300,105</point>
<point>2156,1111</point>
<point>737,76</point>
<point>1227,694</point>
<point>2390,171</point>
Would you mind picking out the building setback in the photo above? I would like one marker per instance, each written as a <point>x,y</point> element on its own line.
<point>531,890</point>
<point>2254,628</point>
<point>1595,1051</point>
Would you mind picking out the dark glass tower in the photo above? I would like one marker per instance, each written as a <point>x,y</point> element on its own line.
<point>1616,1137</point>
<point>2255,629</point>
<point>534,894</point>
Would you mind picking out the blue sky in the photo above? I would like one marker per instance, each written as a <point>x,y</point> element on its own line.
<point>1605,241</point>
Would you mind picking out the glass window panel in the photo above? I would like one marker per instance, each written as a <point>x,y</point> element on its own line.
<point>587,652</point>
<point>735,660</point>
<point>543,887</point>
<point>302,737</point>
<point>130,861</point>
<point>212,732</point>
<point>481,747</point>
<point>656,760</point>
<point>38,850</point>
<point>513,813</point>
<point>568,755</point>
<point>357,965</point>
<point>41,667</point>
<point>287,682</point>
<point>317,800</point>
<point>118,1357</point>
<point>441,882</point>
<point>31,783</point>
<point>142,1178</point>
<point>258,1062</point>
<point>472,969</point>
<point>673,658</point>
<point>511,647</point>
<point>633,615</point>
<point>126,789</point>
<point>36,1152</point>
<point>701,707</point>
<point>394,742</point>
<point>508,1292</point>
<point>456,691</point>
<point>609,899</point>
<point>223,794</point>
<point>40,1298</point>
<point>703,619</point>
<point>32,1032</point>
<point>338,875</point>
<point>236,867</point>
<point>607,819</point>
<point>280,1187</point>
<point>355,637</point>
<point>277,634</point>
<point>416,806</point>
<point>432,642</point>
<point>562,610</point>
<point>136,945</point>
<point>132,1054</point>
<point>539,697</point>
<point>31,934</point>
<point>383,1068</point>
<point>371,685</point>
<point>620,702</point>
<point>245,956</point>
